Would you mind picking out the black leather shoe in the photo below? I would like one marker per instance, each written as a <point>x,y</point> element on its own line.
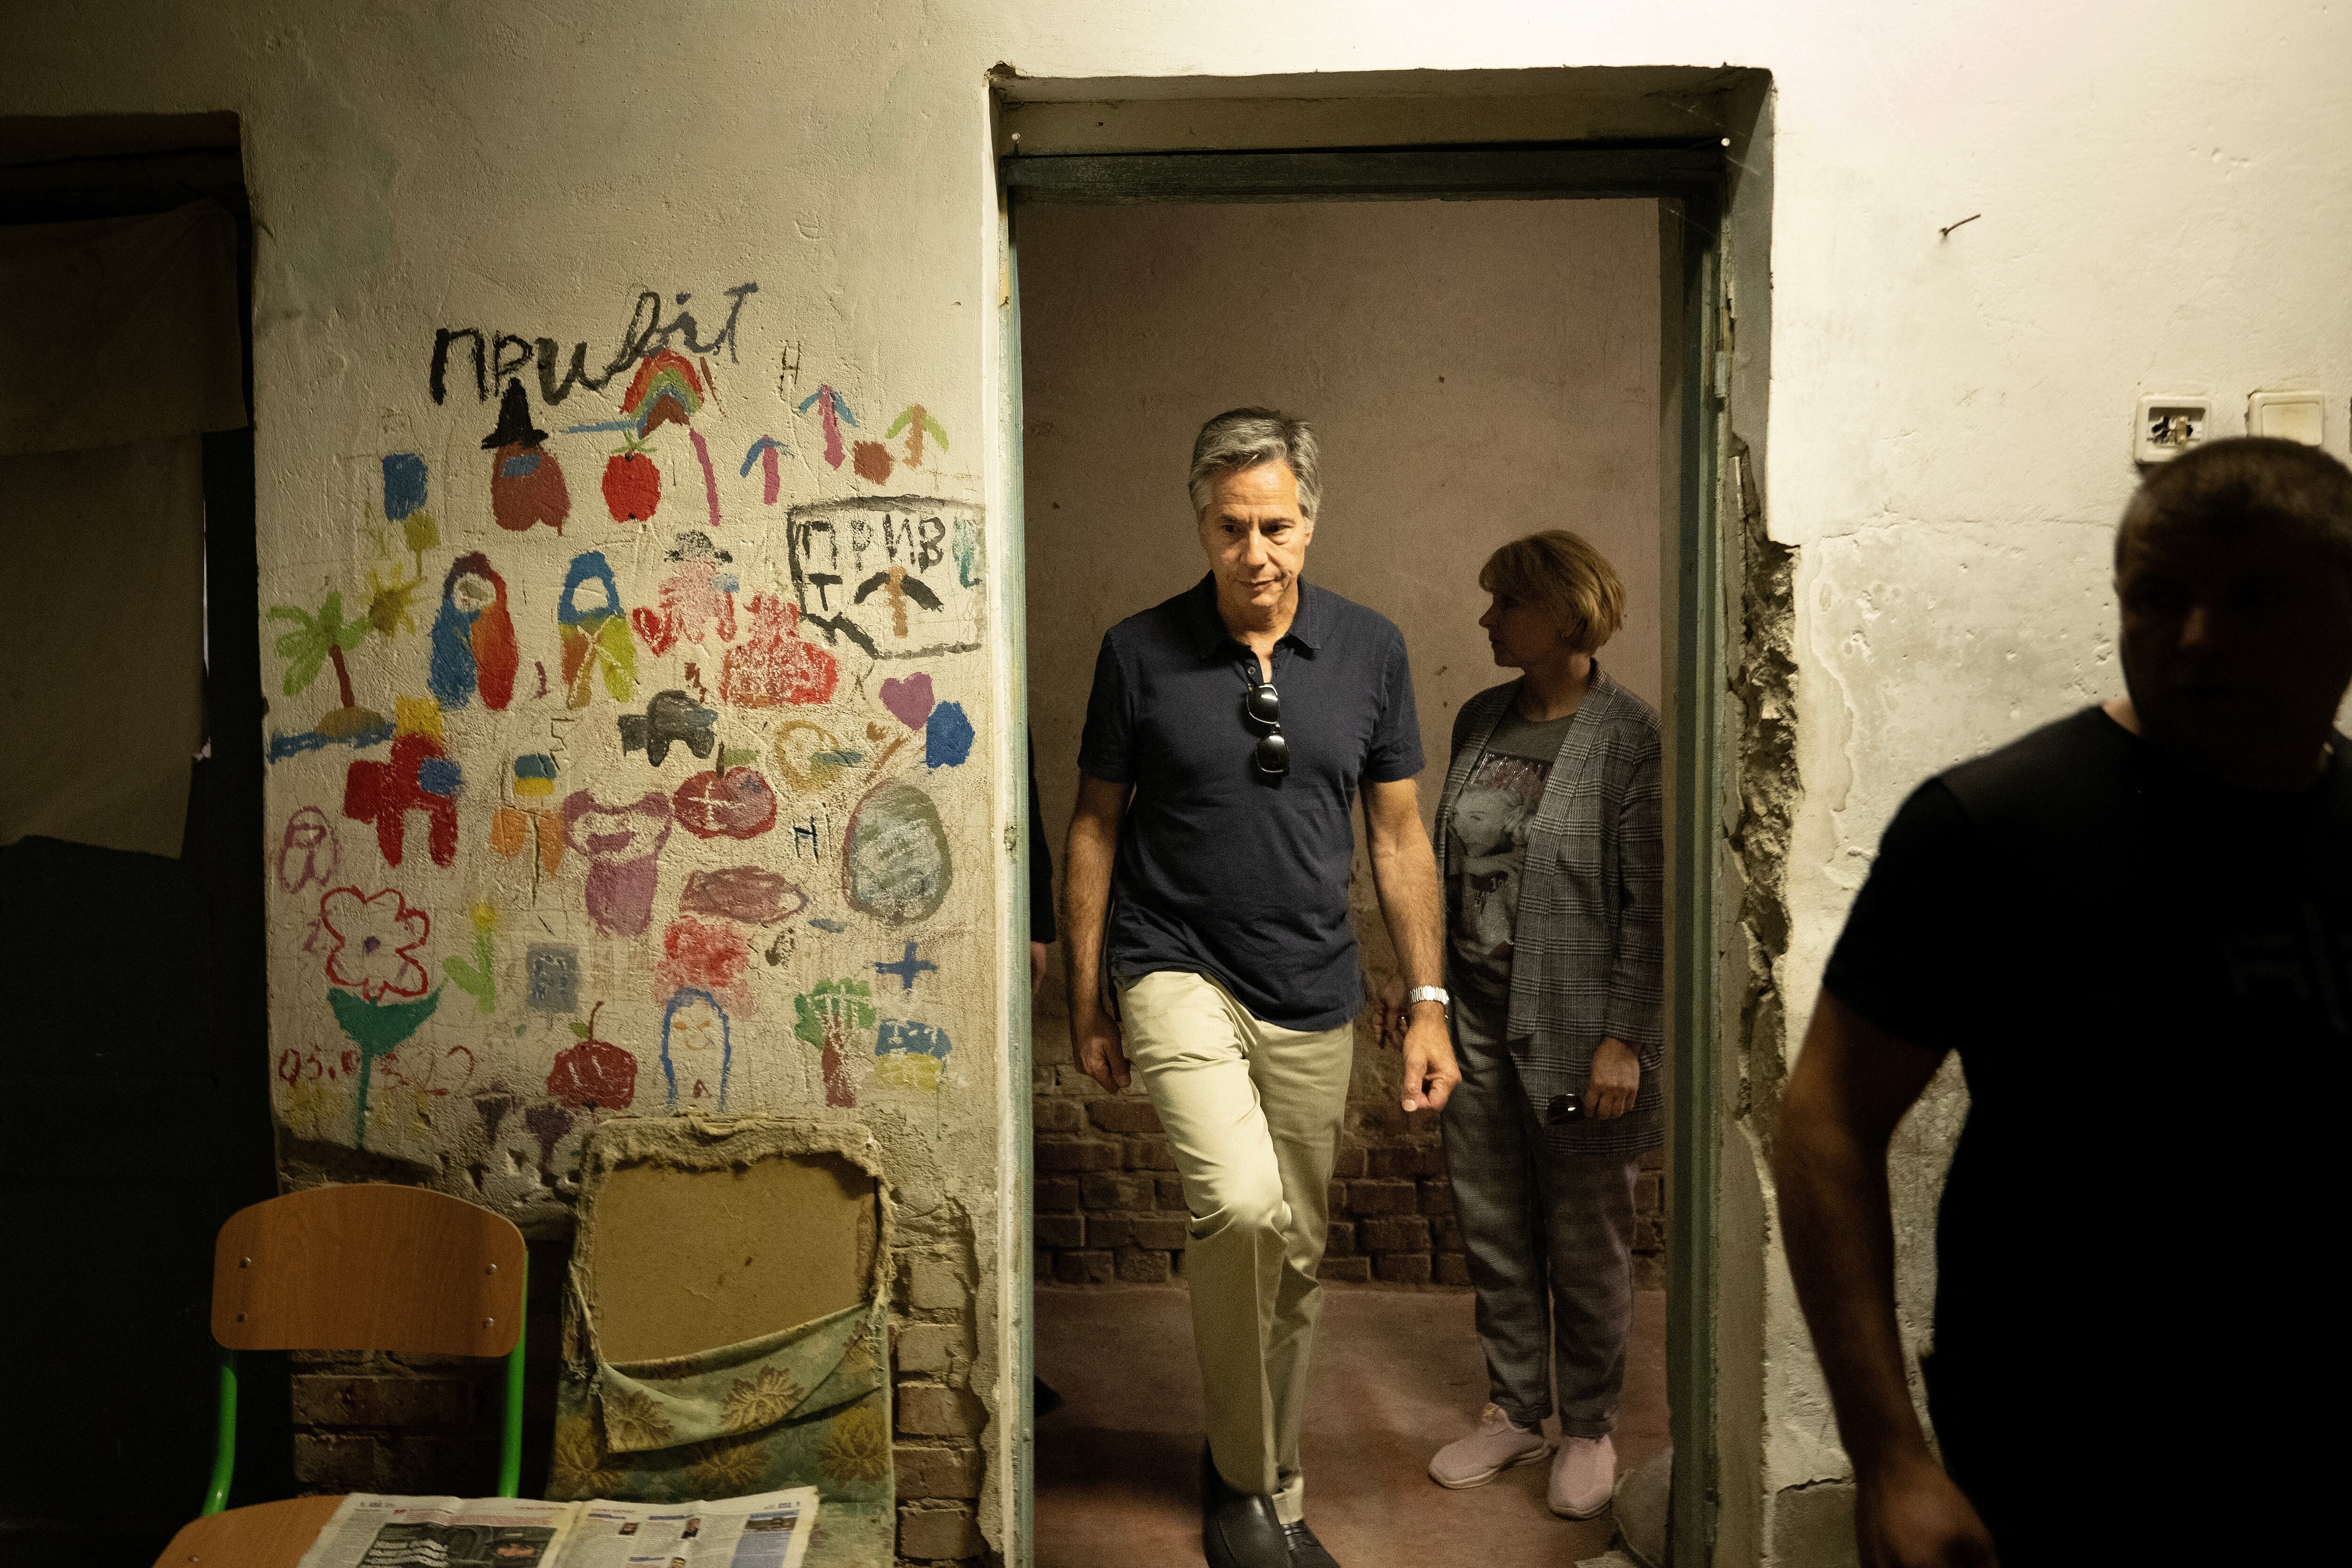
<point>1306,1552</point>
<point>1239,1529</point>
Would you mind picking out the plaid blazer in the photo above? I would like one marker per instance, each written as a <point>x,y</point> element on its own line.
<point>1588,949</point>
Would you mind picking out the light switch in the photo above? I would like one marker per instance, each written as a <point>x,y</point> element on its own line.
<point>2169,425</point>
<point>2289,415</point>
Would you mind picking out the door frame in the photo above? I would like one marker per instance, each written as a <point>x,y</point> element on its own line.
<point>1688,177</point>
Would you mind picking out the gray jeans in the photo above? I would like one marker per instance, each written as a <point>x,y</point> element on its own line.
<point>1550,1238</point>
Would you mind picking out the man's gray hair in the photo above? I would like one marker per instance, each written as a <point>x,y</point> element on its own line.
<point>1243,438</point>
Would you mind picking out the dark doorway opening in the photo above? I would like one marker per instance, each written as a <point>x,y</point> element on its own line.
<point>1111,562</point>
<point>133,1108</point>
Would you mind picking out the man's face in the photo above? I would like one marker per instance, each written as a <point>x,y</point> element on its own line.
<point>2236,651</point>
<point>1255,536</point>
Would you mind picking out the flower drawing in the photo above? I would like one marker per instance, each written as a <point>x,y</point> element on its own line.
<point>375,938</point>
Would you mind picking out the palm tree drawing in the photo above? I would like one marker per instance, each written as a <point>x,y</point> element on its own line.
<point>316,641</point>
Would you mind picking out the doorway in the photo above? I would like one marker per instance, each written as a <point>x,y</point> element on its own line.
<point>135,1115</point>
<point>1477,371</point>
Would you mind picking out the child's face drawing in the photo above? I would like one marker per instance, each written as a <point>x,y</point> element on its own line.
<point>693,1027</point>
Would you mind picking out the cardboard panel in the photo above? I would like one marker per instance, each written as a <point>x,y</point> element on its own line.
<point>686,1260</point>
<point>135,336</point>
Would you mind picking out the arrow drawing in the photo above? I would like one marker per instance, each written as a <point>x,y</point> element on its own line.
<point>915,419</point>
<point>764,451</point>
<point>834,410</point>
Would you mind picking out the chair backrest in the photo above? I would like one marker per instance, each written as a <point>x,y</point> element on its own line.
<point>368,1268</point>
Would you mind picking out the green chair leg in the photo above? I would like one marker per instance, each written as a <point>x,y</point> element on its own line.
<point>224,1437</point>
<point>510,1421</point>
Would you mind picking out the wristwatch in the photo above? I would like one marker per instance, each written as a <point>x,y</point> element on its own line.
<point>1428,993</point>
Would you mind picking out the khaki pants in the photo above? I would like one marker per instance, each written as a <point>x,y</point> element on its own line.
<point>1252,1111</point>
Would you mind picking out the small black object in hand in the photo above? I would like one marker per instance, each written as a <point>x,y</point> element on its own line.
<point>1564,1108</point>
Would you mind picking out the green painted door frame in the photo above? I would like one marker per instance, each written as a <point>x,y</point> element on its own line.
<point>1686,178</point>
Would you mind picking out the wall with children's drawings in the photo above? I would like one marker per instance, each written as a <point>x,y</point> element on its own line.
<point>625,758</point>
<point>621,746</point>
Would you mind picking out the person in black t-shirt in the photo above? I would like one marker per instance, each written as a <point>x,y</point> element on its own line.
<point>2135,927</point>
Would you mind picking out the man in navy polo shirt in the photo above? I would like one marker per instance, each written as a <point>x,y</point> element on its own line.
<point>1228,734</point>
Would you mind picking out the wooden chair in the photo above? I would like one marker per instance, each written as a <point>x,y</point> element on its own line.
<point>363,1267</point>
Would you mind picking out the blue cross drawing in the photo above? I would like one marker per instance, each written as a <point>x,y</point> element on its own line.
<point>906,968</point>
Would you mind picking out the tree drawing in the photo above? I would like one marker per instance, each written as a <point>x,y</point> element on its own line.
<point>835,1017</point>
<point>316,641</point>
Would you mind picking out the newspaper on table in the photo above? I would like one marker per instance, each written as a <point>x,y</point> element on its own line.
<point>770,1530</point>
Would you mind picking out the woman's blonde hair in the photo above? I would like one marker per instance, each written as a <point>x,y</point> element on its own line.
<point>1561,572</point>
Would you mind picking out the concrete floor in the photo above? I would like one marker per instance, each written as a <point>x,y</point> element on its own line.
<point>1397,1376</point>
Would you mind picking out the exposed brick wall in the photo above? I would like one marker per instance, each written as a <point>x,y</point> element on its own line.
<point>428,1425</point>
<point>939,1462</point>
<point>1109,1209</point>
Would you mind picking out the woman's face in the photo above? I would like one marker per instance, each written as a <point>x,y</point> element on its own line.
<point>1522,634</point>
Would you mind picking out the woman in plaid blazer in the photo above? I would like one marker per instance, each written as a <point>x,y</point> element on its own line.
<point>1550,843</point>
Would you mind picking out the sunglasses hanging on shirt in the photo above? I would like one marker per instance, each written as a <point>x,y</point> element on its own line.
<point>1262,706</point>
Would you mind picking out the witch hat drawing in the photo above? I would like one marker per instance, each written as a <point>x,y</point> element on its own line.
<point>526,482</point>
<point>515,428</point>
<point>694,545</point>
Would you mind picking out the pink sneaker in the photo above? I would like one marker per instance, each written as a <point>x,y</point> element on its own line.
<point>1583,1476</point>
<point>1495,1448</point>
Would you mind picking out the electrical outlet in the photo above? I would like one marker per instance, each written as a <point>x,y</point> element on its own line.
<point>2290,415</point>
<point>2169,425</point>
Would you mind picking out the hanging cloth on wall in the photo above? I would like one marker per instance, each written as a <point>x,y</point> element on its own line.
<point>805,1404</point>
<point>119,330</point>
<point>123,349</point>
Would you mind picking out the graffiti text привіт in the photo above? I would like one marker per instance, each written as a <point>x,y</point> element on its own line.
<point>878,572</point>
<point>500,356</point>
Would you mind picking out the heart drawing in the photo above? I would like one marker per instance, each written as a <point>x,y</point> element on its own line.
<point>910,698</point>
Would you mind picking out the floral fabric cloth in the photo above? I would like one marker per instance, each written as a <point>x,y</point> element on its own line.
<point>807,1406</point>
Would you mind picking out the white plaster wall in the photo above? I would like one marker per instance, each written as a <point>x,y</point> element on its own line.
<point>2163,195</point>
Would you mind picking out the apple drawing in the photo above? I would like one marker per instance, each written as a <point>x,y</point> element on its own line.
<point>739,802</point>
<point>595,1075</point>
<point>632,484</point>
